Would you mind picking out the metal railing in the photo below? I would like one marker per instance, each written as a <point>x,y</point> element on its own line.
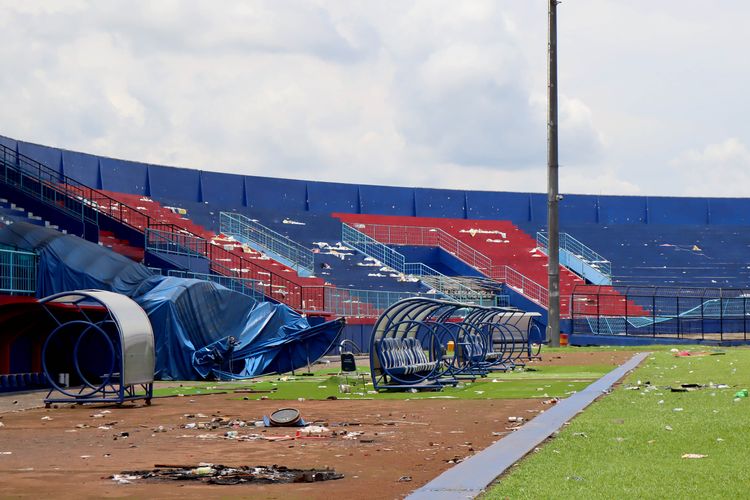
<point>392,259</point>
<point>364,303</point>
<point>17,272</point>
<point>64,193</point>
<point>175,243</point>
<point>426,236</point>
<point>233,265</point>
<point>268,241</point>
<point>373,248</point>
<point>578,250</point>
<point>521,284</point>
<point>245,286</point>
<point>371,303</point>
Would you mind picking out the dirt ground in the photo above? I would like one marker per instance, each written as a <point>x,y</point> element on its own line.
<point>46,452</point>
<point>575,357</point>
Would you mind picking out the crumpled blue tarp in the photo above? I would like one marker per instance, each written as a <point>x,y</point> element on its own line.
<point>193,320</point>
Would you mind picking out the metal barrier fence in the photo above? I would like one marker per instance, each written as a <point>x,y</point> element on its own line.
<point>268,241</point>
<point>663,312</point>
<point>371,303</point>
<point>389,257</point>
<point>17,272</point>
<point>578,250</point>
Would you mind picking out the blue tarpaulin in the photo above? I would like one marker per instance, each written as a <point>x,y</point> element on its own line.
<point>200,328</point>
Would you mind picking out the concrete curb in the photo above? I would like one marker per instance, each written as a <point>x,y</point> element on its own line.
<point>469,478</point>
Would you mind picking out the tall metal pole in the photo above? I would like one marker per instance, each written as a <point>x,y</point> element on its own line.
<point>553,197</point>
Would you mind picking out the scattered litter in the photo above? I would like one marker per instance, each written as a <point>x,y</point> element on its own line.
<point>693,455</point>
<point>551,401</point>
<point>313,430</point>
<point>124,478</point>
<point>677,409</point>
<point>404,479</point>
<point>221,474</point>
<point>47,418</point>
<point>687,388</point>
<point>293,222</point>
<point>668,427</point>
<point>741,394</point>
<point>353,435</point>
<point>580,434</point>
<point>515,419</point>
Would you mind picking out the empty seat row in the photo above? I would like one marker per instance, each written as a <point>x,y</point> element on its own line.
<point>20,381</point>
<point>404,356</point>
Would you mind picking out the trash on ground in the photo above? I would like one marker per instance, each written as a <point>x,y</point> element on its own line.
<point>693,455</point>
<point>741,394</point>
<point>221,474</point>
<point>285,417</point>
<point>404,479</point>
<point>687,388</point>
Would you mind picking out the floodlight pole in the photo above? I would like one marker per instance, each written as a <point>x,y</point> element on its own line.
<point>553,197</point>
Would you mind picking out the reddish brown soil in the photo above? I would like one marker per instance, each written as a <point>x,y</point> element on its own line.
<point>574,357</point>
<point>414,438</point>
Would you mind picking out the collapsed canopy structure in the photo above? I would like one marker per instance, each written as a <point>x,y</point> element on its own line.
<point>200,327</point>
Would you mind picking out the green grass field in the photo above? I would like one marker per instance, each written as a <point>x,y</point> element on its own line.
<point>546,382</point>
<point>629,444</point>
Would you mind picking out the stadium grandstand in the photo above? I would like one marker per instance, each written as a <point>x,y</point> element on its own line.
<point>634,269</point>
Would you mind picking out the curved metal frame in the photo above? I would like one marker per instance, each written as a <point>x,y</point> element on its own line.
<point>129,338</point>
<point>475,331</point>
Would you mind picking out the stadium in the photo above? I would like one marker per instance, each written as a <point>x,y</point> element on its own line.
<point>163,325</point>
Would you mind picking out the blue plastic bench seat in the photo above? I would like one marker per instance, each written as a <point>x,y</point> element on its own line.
<point>405,356</point>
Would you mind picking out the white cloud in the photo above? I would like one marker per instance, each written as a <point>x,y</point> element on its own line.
<point>406,92</point>
<point>721,169</point>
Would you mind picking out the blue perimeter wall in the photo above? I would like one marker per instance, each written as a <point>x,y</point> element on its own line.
<point>298,195</point>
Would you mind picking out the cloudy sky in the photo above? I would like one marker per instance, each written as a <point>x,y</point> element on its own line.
<point>405,92</point>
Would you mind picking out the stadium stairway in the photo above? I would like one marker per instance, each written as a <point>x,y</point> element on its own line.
<point>10,213</point>
<point>506,246</point>
<point>335,263</point>
<point>234,256</point>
